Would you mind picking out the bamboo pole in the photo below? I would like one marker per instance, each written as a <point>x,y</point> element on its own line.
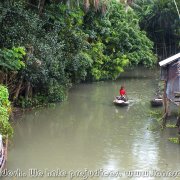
<point>177,9</point>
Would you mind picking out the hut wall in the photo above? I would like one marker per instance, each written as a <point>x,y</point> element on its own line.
<point>173,82</point>
<point>164,72</point>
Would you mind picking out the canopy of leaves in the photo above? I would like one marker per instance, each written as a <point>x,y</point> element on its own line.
<point>119,38</point>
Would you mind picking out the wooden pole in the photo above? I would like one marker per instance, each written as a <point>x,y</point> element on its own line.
<point>165,98</point>
<point>165,104</point>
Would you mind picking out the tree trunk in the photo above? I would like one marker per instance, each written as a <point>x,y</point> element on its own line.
<point>86,5</point>
<point>1,77</point>
<point>68,3</point>
<point>27,90</point>
<point>18,90</point>
<point>77,2</point>
<point>41,6</point>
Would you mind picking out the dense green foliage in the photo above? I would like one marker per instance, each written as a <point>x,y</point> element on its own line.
<point>11,59</point>
<point>5,109</point>
<point>121,37</point>
<point>63,46</point>
<point>159,18</point>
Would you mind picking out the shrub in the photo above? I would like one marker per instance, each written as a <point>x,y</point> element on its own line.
<point>5,110</point>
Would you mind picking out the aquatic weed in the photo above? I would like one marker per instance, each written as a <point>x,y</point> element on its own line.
<point>175,140</point>
<point>171,126</point>
<point>158,116</point>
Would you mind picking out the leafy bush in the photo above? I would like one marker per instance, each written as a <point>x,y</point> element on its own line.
<point>11,59</point>
<point>5,110</point>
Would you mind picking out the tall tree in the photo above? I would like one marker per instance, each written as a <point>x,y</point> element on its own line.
<point>160,19</point>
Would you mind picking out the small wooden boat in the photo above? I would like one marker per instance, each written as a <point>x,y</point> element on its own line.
<point>156,102</point>
<point>3,154</point>
<point>120,102</point>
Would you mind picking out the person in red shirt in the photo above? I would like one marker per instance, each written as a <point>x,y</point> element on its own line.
<point>122,93</point>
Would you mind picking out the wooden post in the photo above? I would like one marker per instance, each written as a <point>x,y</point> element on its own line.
<point>165,104</point>
<point>178,126</point>
<point>168,107</point>
<point>165,98</point>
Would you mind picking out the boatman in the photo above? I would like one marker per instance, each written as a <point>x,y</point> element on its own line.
<point>122,93</point>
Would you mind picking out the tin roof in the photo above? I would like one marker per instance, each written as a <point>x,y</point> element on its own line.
<point>169,60</point>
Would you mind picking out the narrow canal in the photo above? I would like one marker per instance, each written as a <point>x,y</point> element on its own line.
<point>89,132</point>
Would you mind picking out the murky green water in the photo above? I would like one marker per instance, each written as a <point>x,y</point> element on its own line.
<point>88,133</point>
